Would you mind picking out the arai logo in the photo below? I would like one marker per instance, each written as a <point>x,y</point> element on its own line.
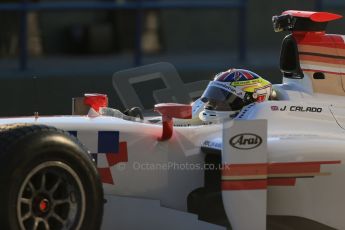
<point>245,141</point>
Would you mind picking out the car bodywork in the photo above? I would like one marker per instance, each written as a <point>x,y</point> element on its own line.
<point>280,157</point>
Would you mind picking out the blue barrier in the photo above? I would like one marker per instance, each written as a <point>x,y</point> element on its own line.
<point>147,5</point>
<point>139,6</point>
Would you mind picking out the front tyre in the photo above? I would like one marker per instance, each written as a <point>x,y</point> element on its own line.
<point>47,181</point>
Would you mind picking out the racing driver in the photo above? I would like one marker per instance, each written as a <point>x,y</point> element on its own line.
<point>230,91</point>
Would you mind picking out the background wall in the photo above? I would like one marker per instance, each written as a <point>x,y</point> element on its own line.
<point>82,50</point>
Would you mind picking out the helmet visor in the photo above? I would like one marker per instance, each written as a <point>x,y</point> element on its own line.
<point>222,97</point>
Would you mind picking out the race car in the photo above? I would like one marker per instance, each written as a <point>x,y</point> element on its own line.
<point>246,155</point>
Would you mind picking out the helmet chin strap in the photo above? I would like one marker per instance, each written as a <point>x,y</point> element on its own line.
<point>216,116</point>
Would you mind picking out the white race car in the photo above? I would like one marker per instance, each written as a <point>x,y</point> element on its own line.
<point>282,158</point>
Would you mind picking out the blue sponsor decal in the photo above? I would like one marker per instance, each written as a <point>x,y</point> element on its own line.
<point>108,142</point>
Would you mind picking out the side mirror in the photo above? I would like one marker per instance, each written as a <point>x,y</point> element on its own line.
<point>82,105</point>
<point>170,111</point>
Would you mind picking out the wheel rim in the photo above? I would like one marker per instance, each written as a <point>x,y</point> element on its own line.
<point>51,197</point>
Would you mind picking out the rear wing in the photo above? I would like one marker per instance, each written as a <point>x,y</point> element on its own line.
<point>294,20</point>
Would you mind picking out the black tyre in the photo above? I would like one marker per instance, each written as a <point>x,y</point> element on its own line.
<point>47,181</point>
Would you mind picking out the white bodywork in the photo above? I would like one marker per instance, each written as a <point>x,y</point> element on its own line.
<point>301,127</point>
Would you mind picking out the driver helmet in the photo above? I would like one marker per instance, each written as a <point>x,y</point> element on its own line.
<point>230,91</point>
